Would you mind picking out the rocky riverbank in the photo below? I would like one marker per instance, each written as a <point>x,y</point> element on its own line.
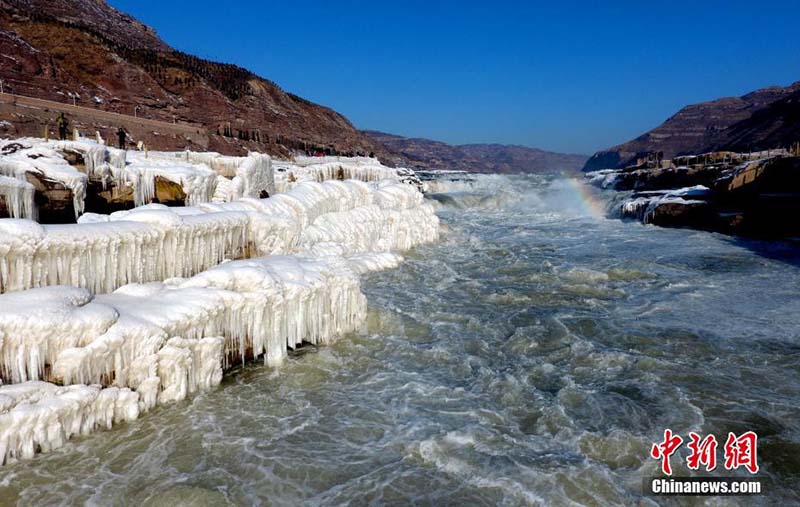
<point>754,195</point>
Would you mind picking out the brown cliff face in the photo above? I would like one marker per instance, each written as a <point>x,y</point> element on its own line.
<point>482,158</point>
<point>760,120</point>
<point>775,125</point>
<point>55,48</point>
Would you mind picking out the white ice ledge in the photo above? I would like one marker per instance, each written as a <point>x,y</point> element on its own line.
<point>154,242</point>
<point>120,353</point>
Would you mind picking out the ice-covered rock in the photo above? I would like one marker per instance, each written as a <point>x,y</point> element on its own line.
<point>237,177</point>
<point>200,177</point>
<point>21,157</point>
<point>604,178</point>
<point>197,180</point>
<point>669,207</point>
<point>101,256</point>
<point>197,174</point>
<point>38,324</point>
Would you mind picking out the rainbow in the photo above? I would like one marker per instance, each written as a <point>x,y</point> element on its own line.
<point>587,198</point>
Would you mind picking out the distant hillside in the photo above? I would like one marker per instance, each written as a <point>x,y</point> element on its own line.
<point>763,119</point>
<point>483,158</point>
<point>54,49</point>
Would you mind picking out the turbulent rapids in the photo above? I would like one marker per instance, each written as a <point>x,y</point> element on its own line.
<point>529,357</point>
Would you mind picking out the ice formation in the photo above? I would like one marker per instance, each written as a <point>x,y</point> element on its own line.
<point>18,197</point>
<point>605,178</point>
<point>319,169</point>
<point>160,342</point>
<point>148,245</point>
<point>139,307</point>
<point>643,204</point>
<point>249,176</point>
<point>155,242</point>
<point>260,306</point>
<point>37,416</point>
<point>203,177</point>
<point>101,162</point>
<point>197,181</point>
<point>26,156</point>
<point>198,174</point>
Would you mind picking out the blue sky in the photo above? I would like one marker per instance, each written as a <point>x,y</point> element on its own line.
<point>567,76</point>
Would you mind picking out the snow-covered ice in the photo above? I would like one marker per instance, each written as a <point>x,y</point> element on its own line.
<point>23,156</point>
<point>160,342</point>
<point>319,169</point>
<point>156,242</point>
<point>146,306</point>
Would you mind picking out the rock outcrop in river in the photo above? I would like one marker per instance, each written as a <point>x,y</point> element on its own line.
<point>750,195</point>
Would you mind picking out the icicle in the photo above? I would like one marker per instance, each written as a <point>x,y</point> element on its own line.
<point>155,242</point>
<point>39,416</point>
<point>18,197</point>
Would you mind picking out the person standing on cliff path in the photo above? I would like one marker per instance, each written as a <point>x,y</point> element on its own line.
<point>121,136</point>
<point>63,125</point>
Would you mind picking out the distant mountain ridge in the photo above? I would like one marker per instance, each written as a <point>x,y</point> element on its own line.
<point>763,119</point>
<point>418,153</point>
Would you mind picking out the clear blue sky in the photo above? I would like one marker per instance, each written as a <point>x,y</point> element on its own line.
<point>574,77</point>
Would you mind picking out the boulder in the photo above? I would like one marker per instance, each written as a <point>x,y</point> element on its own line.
<point>169,193</point>
<point>120,197</point>
<point>684,207</point>
<point>53,200</point>
<point>681,213</point>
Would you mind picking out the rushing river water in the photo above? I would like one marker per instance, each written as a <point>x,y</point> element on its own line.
<point>531,357</point>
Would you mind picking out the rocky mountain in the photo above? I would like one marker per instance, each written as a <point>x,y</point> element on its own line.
<point>764,119</point>
<point>87,52</point>
<point>484,158</point>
